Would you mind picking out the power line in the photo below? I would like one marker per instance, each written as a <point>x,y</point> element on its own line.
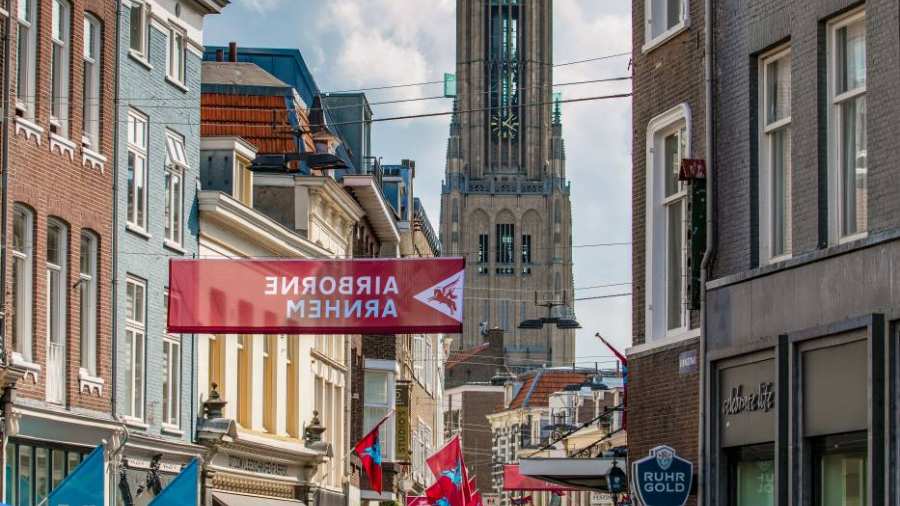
<point>598,297</point>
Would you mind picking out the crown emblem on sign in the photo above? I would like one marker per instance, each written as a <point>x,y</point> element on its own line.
<point>664,456</point>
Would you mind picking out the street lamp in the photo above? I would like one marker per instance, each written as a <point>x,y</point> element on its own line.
<point>561,323</point>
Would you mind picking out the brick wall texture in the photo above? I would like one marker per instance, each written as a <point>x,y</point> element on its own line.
<point>670,74</point>
<point>477,442</point>
<point>36,177</point>
<point>744,31</point>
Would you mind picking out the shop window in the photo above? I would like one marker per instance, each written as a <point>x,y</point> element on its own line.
<point>752,472</point>
<point>848,161</point>
<point>840,470</point>
<point>775,155</point>
<point>32,472</point>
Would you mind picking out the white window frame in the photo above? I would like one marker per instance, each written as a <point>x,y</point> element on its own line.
<point>651,41</point>
<point>429,364</point>
<point>835,151</point>
<point>766,129</point>
<point>418,360</point>
<point>87,284</point>
<point>387,432</point>
<point>171,404</point>
<point>138,329</point>
<point>56,307</point>
<point>656,322</point>
<point>142,53</point>
<point>59,67</point>
<point>92,58</point>
<point>24,294</point>
<point>138,148</point>
<point>176,59</point>
<point>173,209</point>
<point>25,99</point>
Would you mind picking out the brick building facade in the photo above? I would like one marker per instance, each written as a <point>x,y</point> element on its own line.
<point>668,125</point>
<point>58,259</point>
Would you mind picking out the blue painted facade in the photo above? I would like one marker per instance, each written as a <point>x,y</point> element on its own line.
<point>143,87</point>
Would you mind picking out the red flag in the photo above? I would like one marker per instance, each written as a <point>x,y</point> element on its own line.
<point>445,492</point>
<point>450,470</point>
<point>624,362</point>
<point>476,499</point>
<point>416,500</point>
<point>369,450</point>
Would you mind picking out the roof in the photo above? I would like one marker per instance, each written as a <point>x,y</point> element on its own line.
<point>263,121</point>
<point>460,356</point>
<point>539,384</point>
<point>287,65</point>
<point>246,74</point>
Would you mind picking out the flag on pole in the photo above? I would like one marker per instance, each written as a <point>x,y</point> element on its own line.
<point>624,361</point>
<point>450,470</point>
<point>369,451</point>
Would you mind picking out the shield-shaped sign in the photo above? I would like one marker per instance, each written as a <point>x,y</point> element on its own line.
<point>663,478</point>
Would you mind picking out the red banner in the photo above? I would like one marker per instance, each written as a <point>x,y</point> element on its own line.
<point>368,296</point>
<point>513,480</point>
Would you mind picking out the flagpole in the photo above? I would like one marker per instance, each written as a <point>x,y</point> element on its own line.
<point>377,425</point>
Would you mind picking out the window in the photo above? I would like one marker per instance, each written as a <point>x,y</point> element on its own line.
<point>135,337</point>
<point>56,310</point>
<point>664,18</point>
<point>667,144</point>
<point>216,367</point>
<point>87,292</point>
<point>506,249</point>
<point>59,66</point>
<point>429,362</point>
<point>418,357</point>
<point>378,391</point>
<point>171,374</point>
<point>32,472</point>
<point>177,55</point>
<point>483,249</point>
<point>244,403</point>
<point>137,170</point>
<point>526,254</point>
<point>293,418</point>
<point>26,57</point>
<point>848,161</point>
<point>90,122</point>
<point>139,34</point>
<point>840,470</point>
<point>269,381</point>
<point>775,156</point>
<point>243,182</point>
<point>176,162</point>
<point>752,472</point>
<point>22,295</point>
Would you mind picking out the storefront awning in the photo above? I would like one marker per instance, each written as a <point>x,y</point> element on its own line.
<point>514,480</point>
<point>579,474</point>
<point>229,499</point>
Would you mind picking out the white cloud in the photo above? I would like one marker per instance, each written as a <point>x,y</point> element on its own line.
<point>262,5</point>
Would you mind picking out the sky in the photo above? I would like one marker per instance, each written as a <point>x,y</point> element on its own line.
<point>352,44</point>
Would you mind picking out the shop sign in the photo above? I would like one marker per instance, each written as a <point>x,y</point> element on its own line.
<point>687,362</point>
<point>762,399</point>
<point>403,424</point>
<point>365,296</point>
<point>252,465</point>
<point>663,478</point>
<point>165,467</point>
<point>616,481</point>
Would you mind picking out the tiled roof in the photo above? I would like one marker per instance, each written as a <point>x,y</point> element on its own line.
<point>458,357</point>
<point>244,74</point>
<point>263,121</point>
<point>537,388</point>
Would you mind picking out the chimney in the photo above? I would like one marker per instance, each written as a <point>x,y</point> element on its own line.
<point>220,55</point>
<point>232,52</point>
<point>495,341</point>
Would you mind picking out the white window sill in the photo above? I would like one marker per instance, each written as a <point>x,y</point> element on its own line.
<point>854,237</point>
<point>780,258</point>
<point>174,246</point>
<point>29,129</point>
<point>89,382</point>
<point>134,229</point>
<point>175,83</point>
<point>137,423</point>
<point>30,367</point>
<point>664,341</point>
<point>138,57</point>
<point>665,36</point>
<point>92,158</point>
<point>63,146</point>
<point>171,430</point>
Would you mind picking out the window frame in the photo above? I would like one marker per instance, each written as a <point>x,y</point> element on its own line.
<point>387,434</point>
<point>176,33</point>
<point>171,402</point>
<point>173,209</point>
<point>139,151</point>
<point>835,122</point>
<point>766,132</point>
<point>92,61</point>
<point>27,106</point>
<point>678,117</point>
<point>650,41</point>
<point>88,342</point>
<point>138,329</point>
<point>143,53</point>
<point>57,306</point>
<point>60,92</point>
<point>24,297</point>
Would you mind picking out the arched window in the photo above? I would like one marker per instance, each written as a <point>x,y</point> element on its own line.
<point>22,301</point>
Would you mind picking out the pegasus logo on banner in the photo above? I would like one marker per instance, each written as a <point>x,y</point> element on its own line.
<point>374,452</point>
<point>445,296</point>
<point>454,475</point>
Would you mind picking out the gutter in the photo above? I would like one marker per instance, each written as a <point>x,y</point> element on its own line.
<point>114,458</point>
<point>710,254</point>
<point>4,200</point>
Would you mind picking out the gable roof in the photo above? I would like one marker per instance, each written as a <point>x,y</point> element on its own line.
<point>539,384</point>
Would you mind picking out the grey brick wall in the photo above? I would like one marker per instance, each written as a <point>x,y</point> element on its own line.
<point>167,107</point>
<point>745,30</point>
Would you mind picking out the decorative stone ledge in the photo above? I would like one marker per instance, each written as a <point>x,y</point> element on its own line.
<point>63,146</point>
<point>29,130</point>
<point>31,369</point>
<point>92,158</point>
<point>93,384</point>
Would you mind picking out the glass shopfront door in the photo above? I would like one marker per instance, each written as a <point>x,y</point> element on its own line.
<point>841,470</point>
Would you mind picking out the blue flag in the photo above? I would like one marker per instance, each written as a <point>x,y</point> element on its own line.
<point>182,491</point>
<point>84,486</point>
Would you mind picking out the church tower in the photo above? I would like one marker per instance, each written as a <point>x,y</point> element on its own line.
<point>505,204</point>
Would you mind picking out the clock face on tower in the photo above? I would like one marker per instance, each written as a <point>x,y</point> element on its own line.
<point>505,125</point>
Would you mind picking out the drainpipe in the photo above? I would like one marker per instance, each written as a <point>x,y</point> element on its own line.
<point>114,464</point>
<point>710,253</point>
<point>4,181</point>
